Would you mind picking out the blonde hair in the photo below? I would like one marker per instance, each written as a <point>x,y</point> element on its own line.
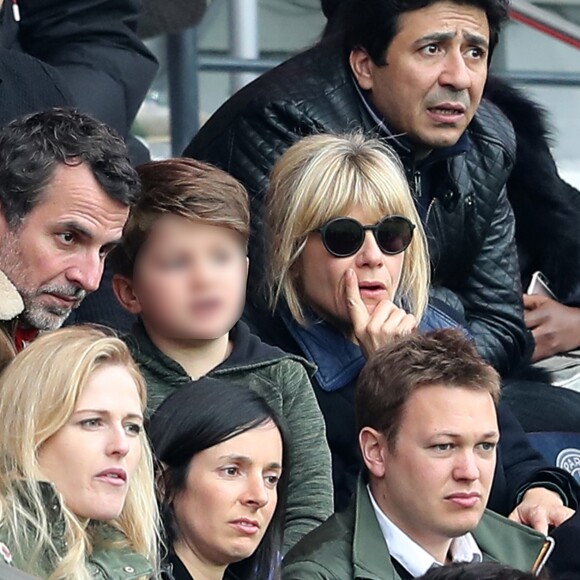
<point>39,391</point>
<point>323,177</point>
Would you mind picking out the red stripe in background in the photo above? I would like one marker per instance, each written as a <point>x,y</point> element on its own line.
<point>553,32</point>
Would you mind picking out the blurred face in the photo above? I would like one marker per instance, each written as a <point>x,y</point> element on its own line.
<point>322,275</point>
<point>190,279</point>
<point>229,499</point>
<point>93,457</point>
<point>56,255</point>
<point>435,73</point>
<point>436,483</point>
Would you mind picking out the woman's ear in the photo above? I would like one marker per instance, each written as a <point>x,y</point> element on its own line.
<point>161,475</point>
<point>124,291</point>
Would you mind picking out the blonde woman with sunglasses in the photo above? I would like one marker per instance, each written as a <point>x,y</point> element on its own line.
<point>348,271</point>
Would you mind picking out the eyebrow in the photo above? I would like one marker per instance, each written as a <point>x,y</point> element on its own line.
<point>245,459</point>
<point>453,435</point>
<point>78,228</point>
<point>475,39</point>
<point>108,413</point>
<point>83,231</point>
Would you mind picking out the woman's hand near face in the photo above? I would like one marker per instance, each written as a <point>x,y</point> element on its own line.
<point>374,330</point>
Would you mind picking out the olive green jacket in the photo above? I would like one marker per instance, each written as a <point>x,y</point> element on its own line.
<point>108,561</point>
<point>351,546</point>
<point>283,380</point>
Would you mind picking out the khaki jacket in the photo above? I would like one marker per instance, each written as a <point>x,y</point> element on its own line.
<point>110,559</point>
<point>350,546</point>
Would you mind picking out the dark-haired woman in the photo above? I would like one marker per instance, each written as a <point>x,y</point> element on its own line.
<point>223,481</point>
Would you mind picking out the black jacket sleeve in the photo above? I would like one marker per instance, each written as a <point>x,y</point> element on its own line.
<point>520,467</point>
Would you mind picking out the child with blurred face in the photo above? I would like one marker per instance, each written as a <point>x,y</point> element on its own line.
<point>182,268</point>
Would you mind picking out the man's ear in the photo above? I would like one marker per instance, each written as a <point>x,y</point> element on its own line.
<point>372,445</point>
<point>361,65</point>
<point>123,288</point>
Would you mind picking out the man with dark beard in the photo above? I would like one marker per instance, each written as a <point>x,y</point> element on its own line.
<point>66,187</point>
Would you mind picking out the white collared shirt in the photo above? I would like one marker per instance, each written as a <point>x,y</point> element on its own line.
<point>416,560</point>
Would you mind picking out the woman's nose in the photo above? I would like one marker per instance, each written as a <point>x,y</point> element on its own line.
<point>370,254</point>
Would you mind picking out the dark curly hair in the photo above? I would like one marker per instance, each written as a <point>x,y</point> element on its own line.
<point>31,147</point>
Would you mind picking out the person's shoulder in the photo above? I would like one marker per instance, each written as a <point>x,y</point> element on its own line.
<point>113,558</point>
<point>301,77</point>
<point>287,381</point>
<point>250,350</point>
<point>293,366</point>
<point>492,128</point>
<point>529,118</point>
<point>326,552</point>
<point>295,89</point>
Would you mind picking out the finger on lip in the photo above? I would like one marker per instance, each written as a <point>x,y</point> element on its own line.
<point>351,287</point>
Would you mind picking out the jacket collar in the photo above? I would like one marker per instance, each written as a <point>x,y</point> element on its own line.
<point>370,555</point>
<point>338,360</point>
<point>11,304</point>
<point>248,351</point>
<point>371,558</point>
<point>110,559</point>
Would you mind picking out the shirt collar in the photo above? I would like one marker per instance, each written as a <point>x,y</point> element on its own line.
<point>413,557</point>
<point>23,336</point>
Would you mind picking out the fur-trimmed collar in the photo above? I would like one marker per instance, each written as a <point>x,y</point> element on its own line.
<point>11,304</point>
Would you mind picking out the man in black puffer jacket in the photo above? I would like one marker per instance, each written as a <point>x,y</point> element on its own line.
<point>77,53</point>
<point>459,184</point>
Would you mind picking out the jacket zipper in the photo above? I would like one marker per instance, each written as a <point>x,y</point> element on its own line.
<point>416,184</point>
<point>431,204</point>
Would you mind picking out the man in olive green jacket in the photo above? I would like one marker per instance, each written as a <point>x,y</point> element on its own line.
<point>351,545</point>
<point>428,432</point>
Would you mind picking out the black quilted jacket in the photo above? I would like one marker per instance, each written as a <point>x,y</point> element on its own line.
<point>469,221</point>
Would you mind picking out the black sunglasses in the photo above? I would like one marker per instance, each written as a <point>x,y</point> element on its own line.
<point>344,236</point>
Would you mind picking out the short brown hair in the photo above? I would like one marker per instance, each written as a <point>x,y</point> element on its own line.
<point>184,187</point>
<point>391,376</point>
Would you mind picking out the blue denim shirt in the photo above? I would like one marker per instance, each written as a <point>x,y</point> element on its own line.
<point>339,360</point>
